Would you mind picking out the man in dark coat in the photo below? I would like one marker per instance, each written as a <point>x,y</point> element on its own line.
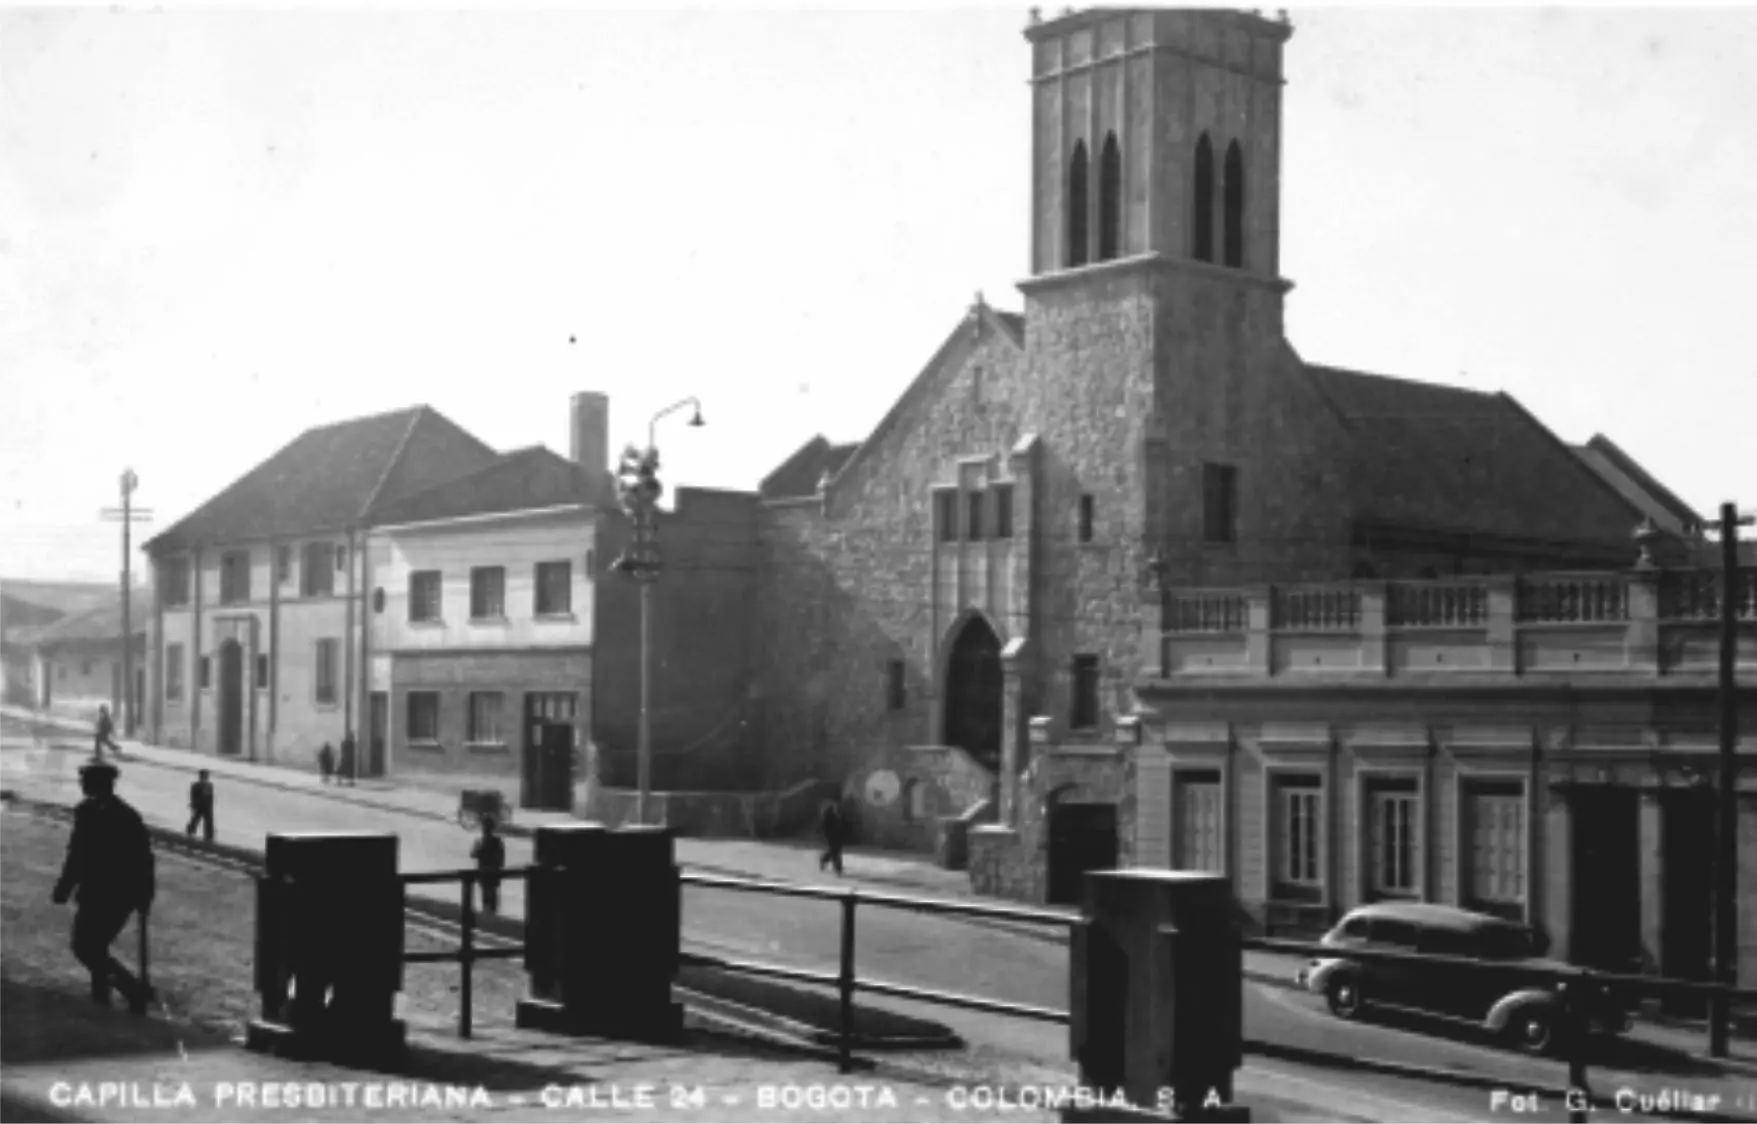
<point>109,868</point>
<point>201,807</point>
<point>326,762</point>
<point>835,835</point>
<point>105,735</point>
<point>489,854</point>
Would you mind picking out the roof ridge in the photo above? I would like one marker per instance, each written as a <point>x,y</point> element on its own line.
<point>390,464</point>
<point>1403,379</point>
<point>1598,480</point>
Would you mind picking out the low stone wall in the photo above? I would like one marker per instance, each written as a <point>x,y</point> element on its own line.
<point>714,815</point>
<point>1000,866</point>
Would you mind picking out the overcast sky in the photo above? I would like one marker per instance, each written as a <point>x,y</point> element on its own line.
<point>217,230</point>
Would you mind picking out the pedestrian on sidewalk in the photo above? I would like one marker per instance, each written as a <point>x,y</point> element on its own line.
<point>326,762</point>
<point>201,807</point>
<point>830,819</point>
<point>109,868</point>
<point>489,855</point>
<point>105,735</point>
<point>347,775</point>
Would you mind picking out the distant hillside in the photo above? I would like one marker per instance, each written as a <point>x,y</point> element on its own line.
<point>29,606</point>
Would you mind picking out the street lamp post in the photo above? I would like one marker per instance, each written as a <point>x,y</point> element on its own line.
<point>127,515</point>
<point>640,497</point>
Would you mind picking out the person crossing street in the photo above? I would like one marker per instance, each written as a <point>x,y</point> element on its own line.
<point>110,871</point>
<point>201,807</point>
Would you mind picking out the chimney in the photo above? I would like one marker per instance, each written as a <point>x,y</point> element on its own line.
<point>589,431</point>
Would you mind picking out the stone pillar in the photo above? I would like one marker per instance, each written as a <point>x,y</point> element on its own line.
<point>1652,859</point>
<point>1015,734</point>
<point>1503,635</point>
<point>1558,904</point>
<point>329,948</point>
<point>589,976</point>
<point>1374,638</point>
<point>1642,641</point>
<point>1259,640</point>
<point>1157,988</point>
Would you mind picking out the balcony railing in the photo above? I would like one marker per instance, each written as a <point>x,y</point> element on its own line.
<point>1652,622</point>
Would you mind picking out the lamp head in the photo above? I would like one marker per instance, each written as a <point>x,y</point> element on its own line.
<point>696,418</point>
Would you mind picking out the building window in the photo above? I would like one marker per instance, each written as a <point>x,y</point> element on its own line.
<point>1393,841</point>
<point>896,696</point>
<point>205,670</point>
<point>945,515</point>
<point>1200,839</point>
<point>488,592</point>
<point>1003,511</point>
<point>326,671</point>
<point>973,503</point>
<point>424,596</point>
<point>261,672</point>
<point>1219,503</point>
<point>283,564</point>
<point>486,708</point>
<point>1299,850</point>
<point>554,588</point>
<point>1086,517</point>
<point>174,582</point>
<point>1083,715</point>
<point>1110,199</point>
<point>85,667</point>
<point>1078,173</point>
<point>1494,842</point>
<point>317,572</point>
<point>1202,205</point>
<point>1233,202</point>
<point>423,716</point>
<point>174,672</point>
<point>341,557</point>
<point>234,577</point>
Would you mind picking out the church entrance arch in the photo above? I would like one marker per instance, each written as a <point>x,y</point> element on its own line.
<point>973,692</point>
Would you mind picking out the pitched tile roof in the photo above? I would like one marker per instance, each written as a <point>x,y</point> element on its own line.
<point>1447,458</point>
<point>103,623</point>
<point>1637,485</point>
<point>331,477</point>
<point>521,480</point>
<point>799,474</point>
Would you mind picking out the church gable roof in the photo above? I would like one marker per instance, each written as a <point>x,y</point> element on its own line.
<point>522,480</point>
<point>1637,485</point>
<point>798,476</point>
<point>329,477</point>
<point>1448,458</point>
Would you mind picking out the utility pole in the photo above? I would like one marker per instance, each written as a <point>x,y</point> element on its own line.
<point>638,483</point>
<point>1726,927</point>
<point>127,515</point>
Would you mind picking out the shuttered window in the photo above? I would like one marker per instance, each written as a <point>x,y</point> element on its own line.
<point>1200,838</point>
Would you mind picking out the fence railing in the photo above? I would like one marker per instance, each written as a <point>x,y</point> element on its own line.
<point>1572,985</point>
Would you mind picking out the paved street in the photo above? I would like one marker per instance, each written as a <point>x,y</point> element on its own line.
<point>926,951</point>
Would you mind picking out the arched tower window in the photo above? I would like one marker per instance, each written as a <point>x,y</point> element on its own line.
<point>1235,206</point>
<point>1077,197</point>
<point>1202,205</point>
<point>1110,199</point>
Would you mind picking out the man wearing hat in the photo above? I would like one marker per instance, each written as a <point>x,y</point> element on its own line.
<point>110,869</point>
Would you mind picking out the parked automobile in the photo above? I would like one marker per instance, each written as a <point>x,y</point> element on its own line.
<point>1510,1003</point>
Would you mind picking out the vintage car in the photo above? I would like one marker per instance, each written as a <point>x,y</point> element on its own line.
<point>1500,994</point>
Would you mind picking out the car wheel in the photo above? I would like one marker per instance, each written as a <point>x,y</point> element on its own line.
<point>1343,995</point>
<point>1532,1030</point>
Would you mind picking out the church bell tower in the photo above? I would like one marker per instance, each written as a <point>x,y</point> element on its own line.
<point>1157,132</point>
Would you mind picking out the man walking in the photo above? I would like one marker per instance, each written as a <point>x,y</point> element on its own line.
<point>109,868</point>
<point>834,836</point>
<point>105,735</point>
<point>326,762</point>
<point>201,807</point>
<point>349,762</point>
<point>489,854</point>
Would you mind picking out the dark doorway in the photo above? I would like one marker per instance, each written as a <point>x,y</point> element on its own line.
<point>1687,892</point>
<point>377,724</point>
<point>1605,921</point>
<point>231,728</point>
<point>1082,837</point>
<point>136,711</point>
<point>549,751</point>
<point>973,693</point>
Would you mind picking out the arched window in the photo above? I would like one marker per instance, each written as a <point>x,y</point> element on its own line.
<point>1110,199</point>
<point>1077,176</point>
<point>1235,206</point>
<point>1202,203</point>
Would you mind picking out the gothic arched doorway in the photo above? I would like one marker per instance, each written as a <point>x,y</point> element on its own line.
<point>973,692</point>
<point>231,698</point>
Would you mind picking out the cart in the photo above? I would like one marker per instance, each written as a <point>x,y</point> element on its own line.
<point>475,803</point>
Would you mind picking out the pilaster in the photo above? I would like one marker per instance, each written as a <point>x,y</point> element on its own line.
<point>1016,660</point>
<point>1558,871</point>
<point>1652,859</point>
<point>1502,638</point>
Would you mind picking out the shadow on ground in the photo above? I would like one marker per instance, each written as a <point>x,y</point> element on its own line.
<point>41,1023</point>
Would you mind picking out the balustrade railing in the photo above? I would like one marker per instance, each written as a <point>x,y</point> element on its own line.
<point>1570,598</point>
<point>1207,612</point>
<point>1315,609</point>
<point>1437,604</point>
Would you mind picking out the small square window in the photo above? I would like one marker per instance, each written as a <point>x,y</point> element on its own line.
<point>1086,517</point>
<point>896,695</point>
<point>423,716</point>
<point>973,503</point>
<point>945,515</point>
<point>554,595</point>
<point>424,595</point>
<point>488,592</point>
<point>1084,714</point>
<point>1003,511</point>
